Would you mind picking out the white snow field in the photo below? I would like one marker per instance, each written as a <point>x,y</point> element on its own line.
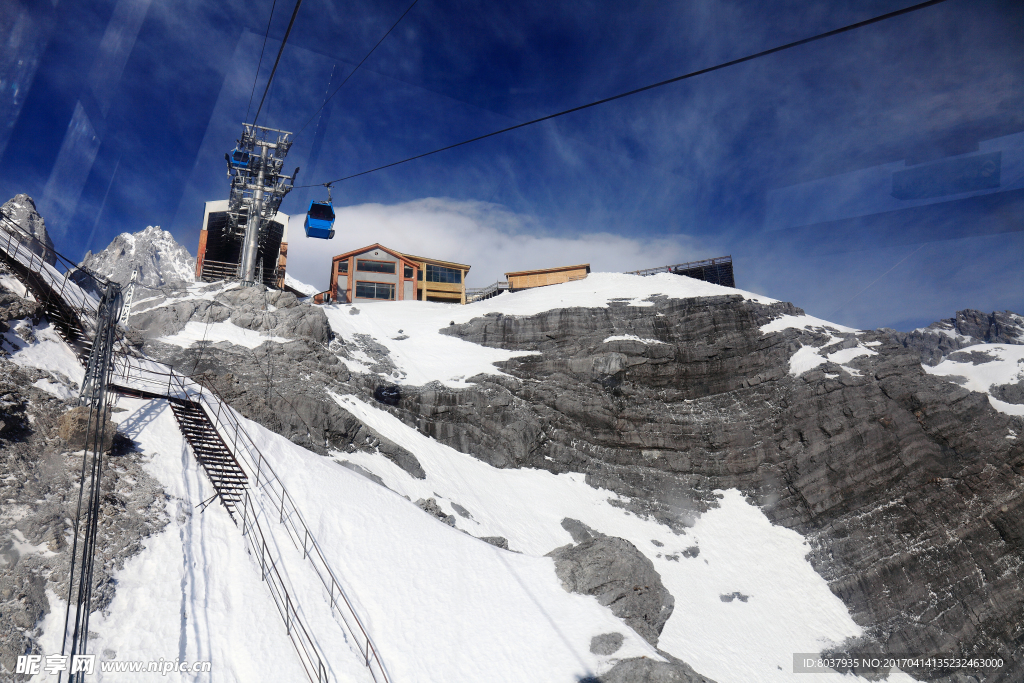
<point>40,347</point>
<point>1005,364</point>
<point>441,605</point>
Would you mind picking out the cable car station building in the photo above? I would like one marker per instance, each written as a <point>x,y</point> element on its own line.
<point>377,273</point>
<point>220,248</point>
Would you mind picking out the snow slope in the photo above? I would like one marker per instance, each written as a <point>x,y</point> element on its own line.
<point>788,607</point>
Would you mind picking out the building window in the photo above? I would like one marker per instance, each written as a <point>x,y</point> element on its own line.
<point>408,272</point>
<point>343,266</point>
<point>375,266</point>
<point>375,290</point>
<point>419,274</point>
<point>442,274</point>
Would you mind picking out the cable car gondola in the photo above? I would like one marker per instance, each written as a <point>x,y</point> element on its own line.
<point>320,219</point>
<point>239,159</point>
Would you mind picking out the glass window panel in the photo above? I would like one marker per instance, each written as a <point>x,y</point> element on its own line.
<point>375,290</point>
<point>442,274</point>
<point>375,266</point>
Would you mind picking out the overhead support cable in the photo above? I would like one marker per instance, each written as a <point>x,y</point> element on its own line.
<point>259,65</point>
<point>367,56</point>
<point>284,41</point>
<point>692,74</point>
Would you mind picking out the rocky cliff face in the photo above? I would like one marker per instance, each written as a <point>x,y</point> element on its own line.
<point>908,487</point>
<point>158,256</point>
<point>22,210</point>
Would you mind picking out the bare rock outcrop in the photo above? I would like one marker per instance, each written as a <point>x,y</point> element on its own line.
<point>21,209</point>
<point>968,328</point>
<point>644,670</point>
<point>79,433</point>
<point>271,312</point>
<point>621,577</point>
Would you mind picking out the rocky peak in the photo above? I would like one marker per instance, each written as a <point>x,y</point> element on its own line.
<point>968,328</point>
<point>22,210</point>
<point>158,256</point>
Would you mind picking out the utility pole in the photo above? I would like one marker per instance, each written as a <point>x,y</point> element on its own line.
<point>257,188</point>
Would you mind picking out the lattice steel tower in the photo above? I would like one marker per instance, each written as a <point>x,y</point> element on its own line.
<point>257,188</point>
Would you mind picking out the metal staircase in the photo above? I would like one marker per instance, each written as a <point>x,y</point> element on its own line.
<point>66,305</point>
<point>213,454</point>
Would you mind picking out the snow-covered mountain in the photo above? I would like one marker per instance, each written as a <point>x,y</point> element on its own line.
<point>614,480</point>
<point>158,256</point>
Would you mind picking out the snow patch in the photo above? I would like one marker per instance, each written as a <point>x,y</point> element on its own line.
<point>1006,366</point>
<point>806,358</point>
<point>632,337</point>
<point>224,331</point>
<point>40,347</point>
<point>302,287</point>
<point>803,322</point>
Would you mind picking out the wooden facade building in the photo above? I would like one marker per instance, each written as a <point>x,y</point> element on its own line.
<point>377,273</point>
<point>525,279</point>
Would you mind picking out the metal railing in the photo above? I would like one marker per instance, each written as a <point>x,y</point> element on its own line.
<point>481,293</point>
<point>309,655</point>
<point>25,250</point>
<point>718,260</point>
<point>265,480</point>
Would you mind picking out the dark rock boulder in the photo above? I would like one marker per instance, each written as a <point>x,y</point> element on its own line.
<point>1010,393</point>
<point>606,643</point>
<point>621,577</point>
<point>496,541</point>
<point>79,433</point>
<point>431,507</point>
<point>643,670</point>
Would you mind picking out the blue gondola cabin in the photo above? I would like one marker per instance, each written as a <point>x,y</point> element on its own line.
<point>320,221</point>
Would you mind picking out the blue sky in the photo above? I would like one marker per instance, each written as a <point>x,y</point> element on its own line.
<point>116,115</point>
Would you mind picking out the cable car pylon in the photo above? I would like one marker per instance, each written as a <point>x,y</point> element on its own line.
<point>257,188</point>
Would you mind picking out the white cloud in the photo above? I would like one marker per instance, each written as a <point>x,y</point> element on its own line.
<point>488,237</point>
